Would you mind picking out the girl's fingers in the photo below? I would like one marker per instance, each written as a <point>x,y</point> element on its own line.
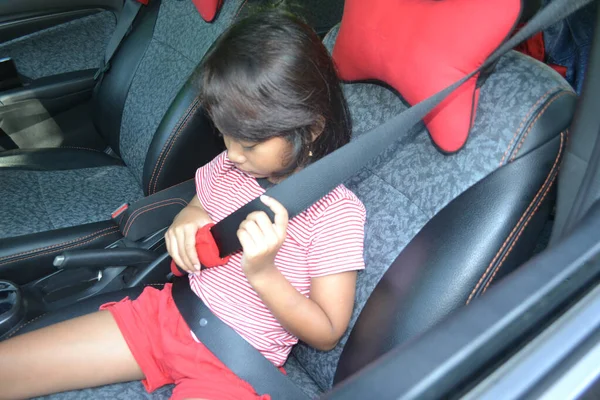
<point>254,231</point>
<point>245,240</point>
<point>167,243</point>
<point>281,214</point>
<point>267,228</point>
<point>175,254</point>
<point>180,239</point>
<point>190,248</point>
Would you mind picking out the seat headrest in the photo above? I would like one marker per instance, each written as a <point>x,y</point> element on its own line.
<point>208,8</point>
<point>420,47</point>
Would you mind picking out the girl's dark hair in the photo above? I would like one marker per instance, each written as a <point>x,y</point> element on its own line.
<point>269,76</point>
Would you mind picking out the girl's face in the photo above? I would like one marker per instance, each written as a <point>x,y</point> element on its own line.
<point>259,160</point>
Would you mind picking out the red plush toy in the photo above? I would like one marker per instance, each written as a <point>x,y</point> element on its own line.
<point>420,47</point>
<point>207,249</point>
<point>208,8</point>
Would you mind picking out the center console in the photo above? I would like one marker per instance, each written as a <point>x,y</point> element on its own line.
<point>135,256</point>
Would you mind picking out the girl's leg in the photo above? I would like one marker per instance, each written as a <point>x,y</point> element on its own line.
<point>83,352</point>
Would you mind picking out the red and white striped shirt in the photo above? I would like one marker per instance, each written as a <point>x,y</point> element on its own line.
<point>325,239</point>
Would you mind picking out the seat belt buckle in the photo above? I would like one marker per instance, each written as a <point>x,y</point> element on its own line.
<point>122,208</point>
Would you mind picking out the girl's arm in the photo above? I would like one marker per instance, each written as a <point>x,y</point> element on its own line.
<point>319,320</point>
<point>181,235</point>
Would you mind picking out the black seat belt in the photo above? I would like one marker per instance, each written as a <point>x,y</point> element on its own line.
<point>231,348</point>
<point>300,191</point>
<point>130,10</point>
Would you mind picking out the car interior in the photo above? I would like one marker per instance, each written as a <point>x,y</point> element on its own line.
<point>97,157</point>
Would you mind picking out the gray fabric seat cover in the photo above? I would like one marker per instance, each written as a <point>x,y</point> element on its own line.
<point>47,200</point>
<point>406,186</point>
<point>35,201</point>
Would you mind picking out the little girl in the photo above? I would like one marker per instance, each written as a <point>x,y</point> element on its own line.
<point>271,90</point>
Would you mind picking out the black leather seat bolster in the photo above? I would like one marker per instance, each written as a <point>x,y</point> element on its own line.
<point>184,126</point>
<point>83,307</point>
<point>484,233</point>
<point>55,159</point>
<point>552,117</point>
<point>29,257</point>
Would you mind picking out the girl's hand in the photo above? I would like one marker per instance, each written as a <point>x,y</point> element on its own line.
<point>181,236</point>
<point>261,239</point>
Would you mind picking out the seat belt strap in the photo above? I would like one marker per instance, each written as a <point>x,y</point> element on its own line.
<point>130,10</point>
<point>229,347</point>
<point>307,186</point>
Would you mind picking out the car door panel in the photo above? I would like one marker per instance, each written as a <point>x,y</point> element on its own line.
<point>71,46</point>
<point>12,27</point>
<point>23,17</point>
<point>57,46</point>
<point>51,112</point>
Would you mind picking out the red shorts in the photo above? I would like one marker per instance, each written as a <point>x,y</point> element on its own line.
<point>163,347</point>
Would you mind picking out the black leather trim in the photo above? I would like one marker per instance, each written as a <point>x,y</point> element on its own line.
<point>55,159</point>
<point>553,116</point>
<point>185,140</point>
<point>111,92</point>
<point>441,266</point>
<point>518,247</point>
<point>155,212</point>
<point>29,257</point>
<point>78,309</point>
